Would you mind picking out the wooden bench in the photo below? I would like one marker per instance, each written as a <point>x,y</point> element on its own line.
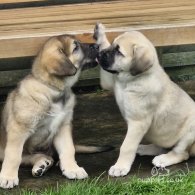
<point>24,30</point>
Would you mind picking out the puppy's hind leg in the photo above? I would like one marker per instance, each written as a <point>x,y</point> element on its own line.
<point>41,163</point>
<point>106,78</point>
<point>170,158</point>
<point>150,150</point>
<point>179,153</point>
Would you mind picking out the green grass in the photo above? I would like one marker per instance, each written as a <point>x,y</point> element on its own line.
<point>177,184</point>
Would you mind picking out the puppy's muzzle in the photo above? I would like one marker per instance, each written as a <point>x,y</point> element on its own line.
<point>103,59</point>
<point>95,47</point>
<point>91,52</point>
<point>106,60</point>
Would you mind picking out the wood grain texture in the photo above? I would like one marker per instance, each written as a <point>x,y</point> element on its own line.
<point>23,31</point>
<point>178,59</point>
<point>18,1</point>
<point>91,77</point>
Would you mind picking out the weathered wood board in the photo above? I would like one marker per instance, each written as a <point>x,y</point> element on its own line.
<point>18,1</point>
<point>91,76</point>
<point>178,59</point>
<point>23,31</point>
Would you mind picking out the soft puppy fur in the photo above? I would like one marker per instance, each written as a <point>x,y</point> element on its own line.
<point>155,109</point>
<point>38,114</point>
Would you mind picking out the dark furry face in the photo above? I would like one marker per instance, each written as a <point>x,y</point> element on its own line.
<point>90,52</point>
<point>107,57</point>
<point>64,55</point>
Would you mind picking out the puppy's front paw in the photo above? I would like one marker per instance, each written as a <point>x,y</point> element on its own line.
<point>99,31</point>
<point>119,170</point>
<point>8,182</point>
<point>74,172</point>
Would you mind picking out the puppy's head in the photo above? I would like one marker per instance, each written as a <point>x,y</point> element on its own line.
<point>130,52</point>
<point>62,56</point>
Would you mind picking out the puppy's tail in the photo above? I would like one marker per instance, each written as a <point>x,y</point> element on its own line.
<point>92,149</point>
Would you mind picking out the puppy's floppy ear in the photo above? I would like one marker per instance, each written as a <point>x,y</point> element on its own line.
<point>143,60</point>
<point>64,68</point>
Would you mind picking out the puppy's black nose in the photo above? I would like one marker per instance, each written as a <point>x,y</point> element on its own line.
<point>103,59</point>
<point>104,55</point>
<point>95,46</point>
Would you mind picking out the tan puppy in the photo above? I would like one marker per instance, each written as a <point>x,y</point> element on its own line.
<point>38,113</point>
<point>156,109</point>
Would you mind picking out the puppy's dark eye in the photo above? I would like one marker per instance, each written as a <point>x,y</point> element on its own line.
<point>76,46</point>
<point>61,50</point>
<point>117,51</point>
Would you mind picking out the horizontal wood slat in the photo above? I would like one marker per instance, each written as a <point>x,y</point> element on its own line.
<point>12,77</point>
<point>33,3</point>
<point>87,78</point>
<point>178,59</point>
<point>23,31</point>
<point>18,1</point>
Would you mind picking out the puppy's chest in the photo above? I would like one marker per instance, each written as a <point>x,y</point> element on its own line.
<point>121,99</point>
<point>60,112</point>
<point>55,116</point>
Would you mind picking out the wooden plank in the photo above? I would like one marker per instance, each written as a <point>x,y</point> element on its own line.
<point>87,78</point>
<point>18,1</point>
<point>178,59</point>
<point>54,1</point>
<point>16,63</point>
<point>92,73</point>
<point>23,31</point>
<point>47,2</point>
<point>188,86</point>
<point>4,91</point>
<point>178,48</point>
<point>180,74</point>
<point>10,4</point>
<point>11,78</point>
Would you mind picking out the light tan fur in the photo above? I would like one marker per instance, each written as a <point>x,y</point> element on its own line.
<point>37,116</point>
<point>156,110</point>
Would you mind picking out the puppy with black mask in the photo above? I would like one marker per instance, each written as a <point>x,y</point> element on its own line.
<point>155,109</point>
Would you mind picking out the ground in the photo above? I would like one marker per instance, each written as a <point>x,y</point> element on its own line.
<point>97,121</point>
